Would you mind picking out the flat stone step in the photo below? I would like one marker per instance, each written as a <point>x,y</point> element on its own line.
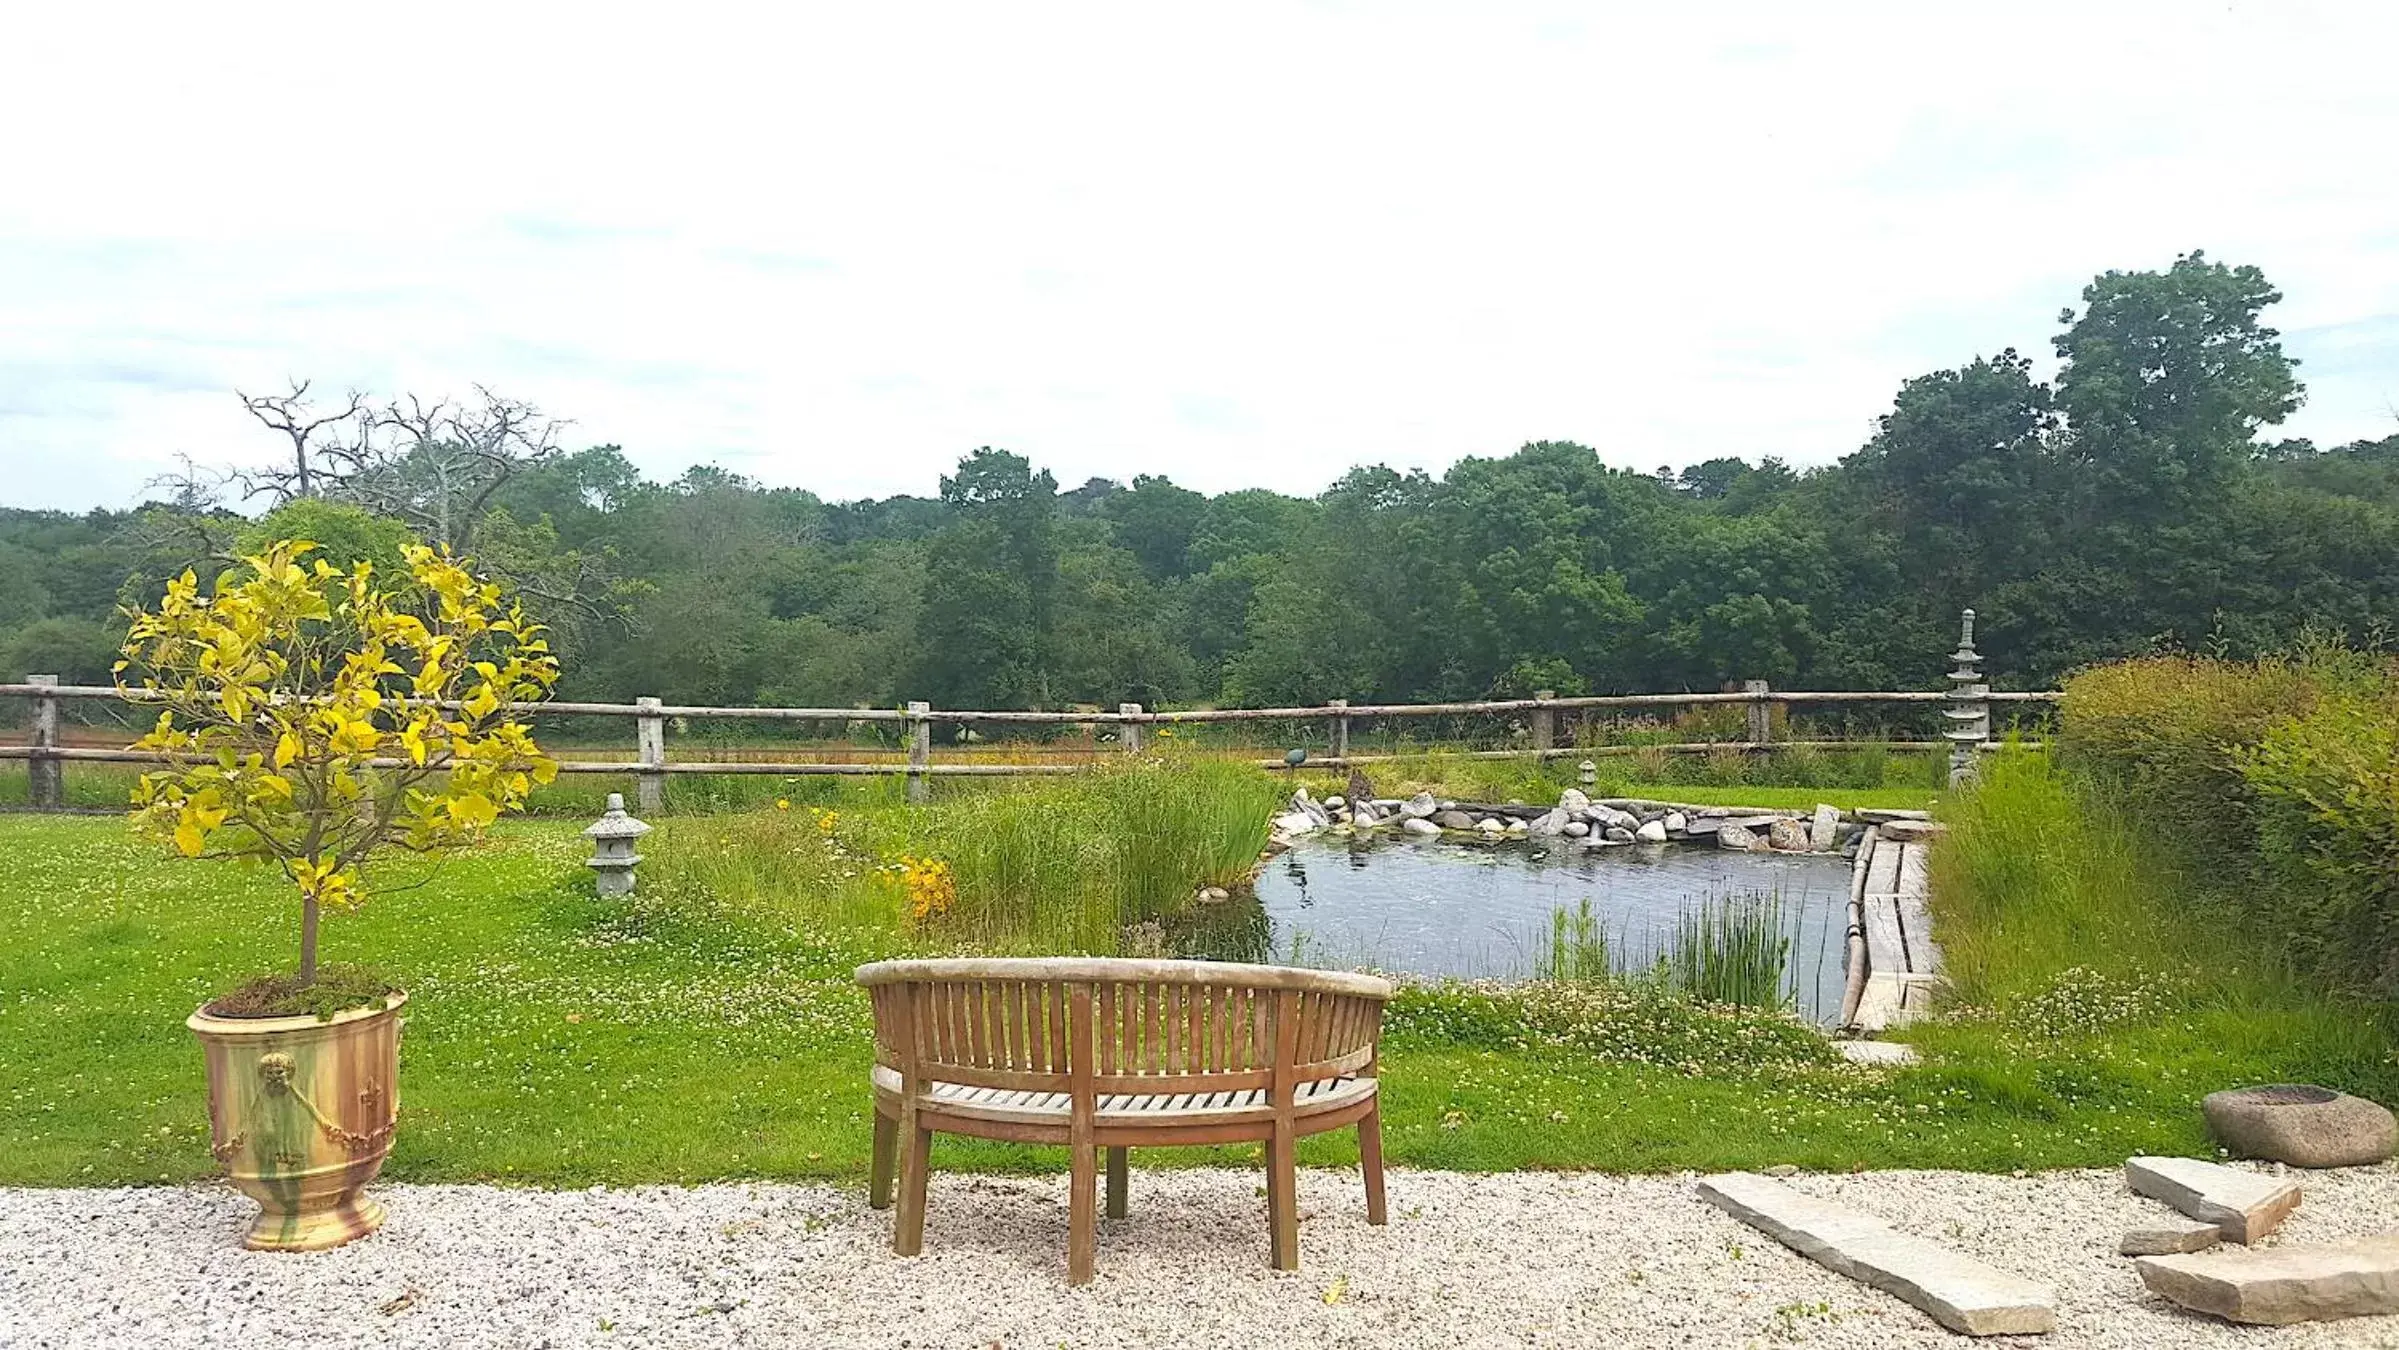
<point>2246,1205</point>
<point>1892,1053</point>
<point>1959,1292</point>
<point>2170,1236</point>
<point>2280,1285</point>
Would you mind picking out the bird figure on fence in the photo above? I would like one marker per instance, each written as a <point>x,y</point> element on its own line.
<point>1293,758</point>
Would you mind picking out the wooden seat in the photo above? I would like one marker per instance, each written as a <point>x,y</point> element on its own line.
<point>1102,1055</point>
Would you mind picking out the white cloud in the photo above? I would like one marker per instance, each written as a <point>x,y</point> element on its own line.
<point>1239,245</point>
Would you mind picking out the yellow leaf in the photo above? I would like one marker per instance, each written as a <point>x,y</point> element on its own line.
<point>482,703</point>
<point>287,749</point>
<point>188,839</point>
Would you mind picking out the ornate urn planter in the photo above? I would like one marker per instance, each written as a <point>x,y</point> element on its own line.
<point>301,1113</point>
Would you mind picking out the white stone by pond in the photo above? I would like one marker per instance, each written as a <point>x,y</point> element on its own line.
<point>1482,910</point>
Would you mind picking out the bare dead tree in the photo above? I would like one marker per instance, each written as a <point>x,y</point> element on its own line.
<point>437,464</point>
<point>311,432</point>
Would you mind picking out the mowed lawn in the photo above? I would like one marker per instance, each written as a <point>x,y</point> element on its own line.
<point>556,1038</point>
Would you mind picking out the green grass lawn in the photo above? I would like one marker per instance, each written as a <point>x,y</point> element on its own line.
<point>709,1029</point>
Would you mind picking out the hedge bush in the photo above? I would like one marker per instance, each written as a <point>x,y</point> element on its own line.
<point>2280,776</point>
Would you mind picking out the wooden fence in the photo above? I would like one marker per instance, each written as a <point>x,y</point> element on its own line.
<point>47,757</point>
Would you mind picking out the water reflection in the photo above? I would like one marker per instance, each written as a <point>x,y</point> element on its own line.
<point>1483,909</point>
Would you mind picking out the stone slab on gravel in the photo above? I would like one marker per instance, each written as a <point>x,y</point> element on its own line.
<point>2246,1205</point>
<point>2169,1237</point>
<point>2302,1125</point>
<point>1959,1292</point>
<point>2281,1285</point>
<point>1557,1261</point>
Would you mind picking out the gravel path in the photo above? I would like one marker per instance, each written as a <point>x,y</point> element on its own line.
<point>1521,1259</point>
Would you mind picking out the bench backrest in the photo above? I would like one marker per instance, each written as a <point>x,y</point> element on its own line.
<point>1092,1026</point>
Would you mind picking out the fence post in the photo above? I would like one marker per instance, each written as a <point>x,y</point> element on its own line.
<point>45,779</point>
<point>1130,732</point>
<point>920,747</point>
<point>1761,712</point>
<point>1969,710</point>
<point>649,738</point>
<point>1545,724</point>
<point>1340,727</point>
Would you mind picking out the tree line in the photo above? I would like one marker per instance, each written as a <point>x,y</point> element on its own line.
<point>2132,502</point>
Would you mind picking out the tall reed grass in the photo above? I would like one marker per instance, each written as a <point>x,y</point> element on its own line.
<point>1057,865</point>
<point>1729,949</point>
<point>1733,950</point>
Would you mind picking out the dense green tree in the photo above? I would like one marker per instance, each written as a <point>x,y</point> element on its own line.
<point>2126,505</point>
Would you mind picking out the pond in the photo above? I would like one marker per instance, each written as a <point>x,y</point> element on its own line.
<point>1483,910</point>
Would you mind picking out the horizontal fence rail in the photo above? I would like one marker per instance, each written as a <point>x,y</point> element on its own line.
<point>46,757</point>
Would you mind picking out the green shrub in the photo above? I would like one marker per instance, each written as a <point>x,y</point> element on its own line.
<point>2280,776</point>
<point>2164,733</point>
<point>2325,792</point>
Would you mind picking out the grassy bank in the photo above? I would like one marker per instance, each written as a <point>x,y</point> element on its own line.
<point>2091,965</point>
<point>709,1027</point>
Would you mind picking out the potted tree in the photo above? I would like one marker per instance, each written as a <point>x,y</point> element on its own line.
<point>313,716</point>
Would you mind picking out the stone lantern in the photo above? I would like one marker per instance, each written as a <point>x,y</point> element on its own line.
<point>1587,773</point>
<point>612,837</point>
<point>1969,710</point>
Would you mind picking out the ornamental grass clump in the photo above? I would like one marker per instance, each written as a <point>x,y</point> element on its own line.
<point>313,716</point>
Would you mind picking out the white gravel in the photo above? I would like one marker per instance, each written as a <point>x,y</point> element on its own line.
<point>1520,1259</point>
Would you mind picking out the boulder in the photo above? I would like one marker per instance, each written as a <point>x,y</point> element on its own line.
<point>2279,1285</point>
<point>1491,825</point>
<point>1786,836</point>
<point>1574,799</point>
<point>1419,807</point>
<point>1651,832</point>
<point>1303,804</point>
<point>1909,831</point>
<point>1519,828</point>
<point>2169,1237</point>
<point>1335,802</point>
<point>1418,825</point>
<point>1617,834</point>
<point>1676,822</point>
<point>1575,829</point>
<point>2246,1205</point>
<point>1296,822</point>
<point>1737,839</point>
<point>2301,1125</point>
<point>1824,830</point>
<point>1453,820</point>
<point>1553,822</point>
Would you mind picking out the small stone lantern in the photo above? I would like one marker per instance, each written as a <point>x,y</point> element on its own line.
<point>1587,774</point>
<point>612,837</point>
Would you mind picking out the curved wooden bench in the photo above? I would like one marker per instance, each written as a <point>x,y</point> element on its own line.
<point>1103,1054</point>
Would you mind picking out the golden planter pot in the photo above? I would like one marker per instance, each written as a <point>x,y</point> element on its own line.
<point>301,1113</point>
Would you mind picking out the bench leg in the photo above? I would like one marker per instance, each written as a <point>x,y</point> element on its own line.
<point>1082,1222</point>
<point>1118,1203</point>
<point>1282,1196</point>
<point>887,1147</point>
<point>1370,1160</point>
<point>908,1232</point>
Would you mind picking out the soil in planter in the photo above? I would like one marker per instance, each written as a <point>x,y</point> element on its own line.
<point>338,988</point>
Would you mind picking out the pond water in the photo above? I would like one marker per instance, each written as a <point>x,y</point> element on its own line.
<point>1482,910</point>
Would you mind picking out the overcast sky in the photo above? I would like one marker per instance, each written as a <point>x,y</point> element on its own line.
<point>838,246</point>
